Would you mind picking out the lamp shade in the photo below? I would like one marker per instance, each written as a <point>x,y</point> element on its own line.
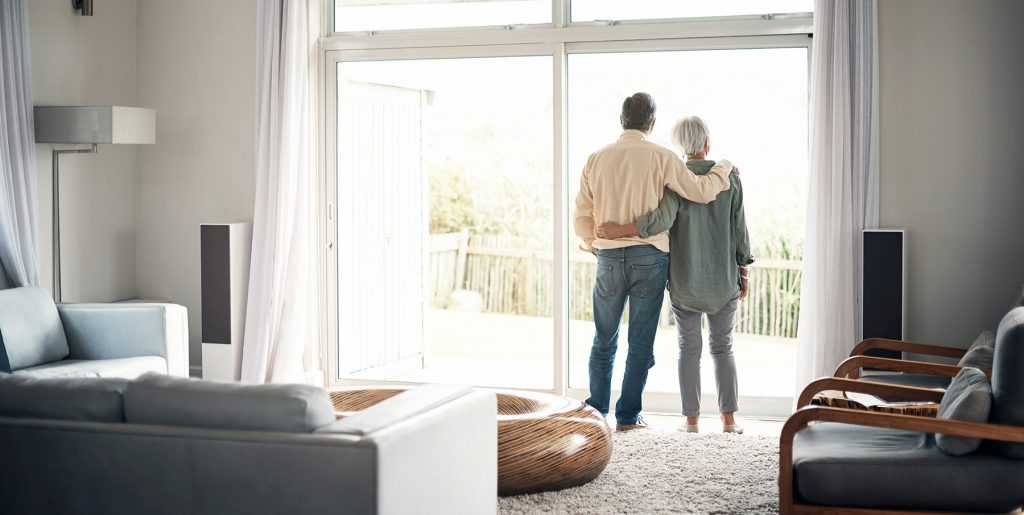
<point>103,124</point>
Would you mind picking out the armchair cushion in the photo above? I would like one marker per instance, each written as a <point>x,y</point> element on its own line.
<point>1007,379</point>
<point>30,329</point>
<point>968,398</point>
<point>92,400</point>
<point>867,467</point>
<point>172,401</point>
<point>979,354</point>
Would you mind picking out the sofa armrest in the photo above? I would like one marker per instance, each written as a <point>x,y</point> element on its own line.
<point>110,331</point>
<point>449,431</point>
<point>396,409</point>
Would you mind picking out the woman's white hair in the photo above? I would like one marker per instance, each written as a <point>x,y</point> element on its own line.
<point>689,134</point>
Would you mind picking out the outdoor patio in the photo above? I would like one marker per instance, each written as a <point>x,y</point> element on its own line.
<point>517,353</point>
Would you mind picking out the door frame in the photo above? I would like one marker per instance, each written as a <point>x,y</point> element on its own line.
<point>791,31</point>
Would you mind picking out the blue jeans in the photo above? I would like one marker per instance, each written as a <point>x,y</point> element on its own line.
<point>639,274</point>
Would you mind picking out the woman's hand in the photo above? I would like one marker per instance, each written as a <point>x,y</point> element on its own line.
<point>614,231</point>
<point>744,282</point>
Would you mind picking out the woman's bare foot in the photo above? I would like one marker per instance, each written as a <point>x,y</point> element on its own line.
<point>690,426</point>
<point>729,424</point>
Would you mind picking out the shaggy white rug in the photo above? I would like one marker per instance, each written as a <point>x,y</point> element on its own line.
<point>655,471</point>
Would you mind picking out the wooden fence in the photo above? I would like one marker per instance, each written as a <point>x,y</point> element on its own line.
<point>512,275</point>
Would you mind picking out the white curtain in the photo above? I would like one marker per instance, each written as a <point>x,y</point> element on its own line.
<point>19,234</point>
<point>279,313</point>
<point>843,185</point>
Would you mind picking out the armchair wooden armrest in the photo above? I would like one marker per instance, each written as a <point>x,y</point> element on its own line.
<point>850,367</point>
<point>905,346</point>
<point>802,417</point>
<point>890,392</point>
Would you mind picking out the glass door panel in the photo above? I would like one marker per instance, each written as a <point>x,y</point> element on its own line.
<point>445,195</point>
<point>755,102</point>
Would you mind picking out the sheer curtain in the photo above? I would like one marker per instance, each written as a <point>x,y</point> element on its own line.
<point>19,234</point>
<point>279,312</point>
<point>843,188</point>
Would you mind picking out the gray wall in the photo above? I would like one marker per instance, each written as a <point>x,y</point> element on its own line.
<point>952,158</point>
<point>197,68</point>
<point>81,60</point>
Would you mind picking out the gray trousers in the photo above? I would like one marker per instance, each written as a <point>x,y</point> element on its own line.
<point>720,328</point>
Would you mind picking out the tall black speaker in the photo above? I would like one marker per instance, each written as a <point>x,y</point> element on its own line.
<point>224,269</point>
<point>884,295</point>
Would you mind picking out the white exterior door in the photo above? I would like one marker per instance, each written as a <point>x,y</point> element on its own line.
<point>381,228</point>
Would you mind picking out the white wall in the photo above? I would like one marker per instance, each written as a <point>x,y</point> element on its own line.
<point>82,60</point>
<point>952,158</point>
<point>197,68</point>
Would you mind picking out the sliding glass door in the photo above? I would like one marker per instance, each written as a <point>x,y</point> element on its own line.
<point>451,163</point>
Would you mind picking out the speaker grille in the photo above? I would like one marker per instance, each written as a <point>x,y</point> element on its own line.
<point>883,285</point>
<point>215,250</point>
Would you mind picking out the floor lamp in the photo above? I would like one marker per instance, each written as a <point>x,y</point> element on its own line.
<point>112,125</point>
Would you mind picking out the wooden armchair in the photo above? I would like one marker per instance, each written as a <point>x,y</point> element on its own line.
<point>834,460</point>
<point>791,503</point>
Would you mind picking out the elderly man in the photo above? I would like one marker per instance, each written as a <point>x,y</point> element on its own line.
<point>619,183</point>
<point>708,273</point>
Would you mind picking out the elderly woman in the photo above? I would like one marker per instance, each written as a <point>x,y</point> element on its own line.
<point>710,253</point>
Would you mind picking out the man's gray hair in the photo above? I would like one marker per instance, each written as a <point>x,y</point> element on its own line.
<point>689,134</point>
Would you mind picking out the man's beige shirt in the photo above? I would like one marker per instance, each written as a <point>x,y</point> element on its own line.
<point>627,178</point>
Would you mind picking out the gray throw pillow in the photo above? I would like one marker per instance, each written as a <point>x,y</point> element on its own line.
<point>968,398</point>
<point>979,354</point>
<point>1018,299</point>
<point>978,357</point>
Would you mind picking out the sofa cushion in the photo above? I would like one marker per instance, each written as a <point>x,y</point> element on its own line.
<point>30,330</point>
<point>1007,379</point>
<point>867,467</point>
<point>165,400</point>
<point>968,398</point>
<point>124,368</point>
<point>88,399</point>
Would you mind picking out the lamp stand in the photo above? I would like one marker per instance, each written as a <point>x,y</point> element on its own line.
<point>56,214</point>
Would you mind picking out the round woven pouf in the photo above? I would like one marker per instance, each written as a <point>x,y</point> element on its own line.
<point>545,442</point>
